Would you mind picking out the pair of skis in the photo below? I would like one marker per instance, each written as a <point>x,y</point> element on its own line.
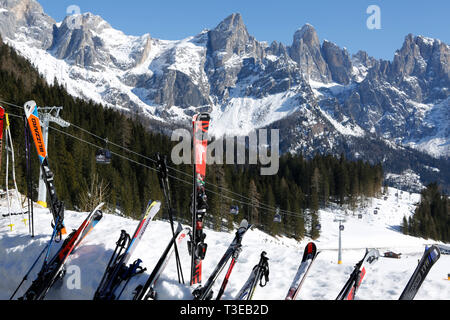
<point>261,271</point>
<point>232,253</point>
<point>197,246</point>
<point>147,291</point>
<point>348,292</point>
<point>117,270</point>
<point>53,269</point>
<point>259,275</point>
<point>56,206</point>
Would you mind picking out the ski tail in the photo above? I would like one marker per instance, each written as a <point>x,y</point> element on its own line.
<point>429,258</point>
<point>309,257</point>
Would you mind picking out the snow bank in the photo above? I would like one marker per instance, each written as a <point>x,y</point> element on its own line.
<point>385,281</point>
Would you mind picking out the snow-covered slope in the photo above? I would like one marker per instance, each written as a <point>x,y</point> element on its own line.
<point>385,281</point>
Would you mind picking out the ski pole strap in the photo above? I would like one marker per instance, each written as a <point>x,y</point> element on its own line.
<point>123,239</point>
<point>264,265</point>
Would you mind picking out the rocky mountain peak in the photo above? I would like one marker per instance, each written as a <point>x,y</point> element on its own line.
<point>21,8</point>
<point>233,22</point>
<point>423,57</point>
<point>338,61</point>
<point>230,35</point>
<point>308,35</point>
<point>306,51</point>
<point>30,17</point>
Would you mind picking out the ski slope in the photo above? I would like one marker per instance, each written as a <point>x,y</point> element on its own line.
<point>384,281</point>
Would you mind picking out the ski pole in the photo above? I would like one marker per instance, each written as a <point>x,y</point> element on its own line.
<point>29,271</point>
<point>132,270</point>
<point>55,230</point>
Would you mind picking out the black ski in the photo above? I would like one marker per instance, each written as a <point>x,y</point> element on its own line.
<point>56,206</point>
<point>357,276</point>
<point>259,272</point>
<point>233,251</point>
<point>147,291</point>
<point>117,271</point>
<point>429,258</point>
<point>54,270</point>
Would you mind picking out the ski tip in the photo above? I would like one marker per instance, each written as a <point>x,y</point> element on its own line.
<point>29,106</point>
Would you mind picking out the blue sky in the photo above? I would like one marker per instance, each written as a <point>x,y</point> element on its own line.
<point>342,22</point>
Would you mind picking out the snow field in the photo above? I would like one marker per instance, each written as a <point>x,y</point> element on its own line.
<point>385,280</point>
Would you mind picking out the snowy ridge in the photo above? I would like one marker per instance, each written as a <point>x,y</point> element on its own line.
<point>385,281</point>
<point>248,84</point>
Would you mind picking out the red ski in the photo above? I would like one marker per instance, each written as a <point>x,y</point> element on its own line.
<point>197,245</point>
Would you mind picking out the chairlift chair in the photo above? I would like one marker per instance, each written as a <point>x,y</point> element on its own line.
<point>277,217</point>
<point>103,156</point>
<point>234,210</point>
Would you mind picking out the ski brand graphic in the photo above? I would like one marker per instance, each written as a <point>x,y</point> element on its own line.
<point>33,120</point>
<point>429,258</point>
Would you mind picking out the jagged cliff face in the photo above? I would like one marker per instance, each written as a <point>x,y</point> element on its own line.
<point>318,92</point>
<point>26,18</point>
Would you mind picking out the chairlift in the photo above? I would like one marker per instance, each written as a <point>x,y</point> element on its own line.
<point>234,210</point>
<point>103,156</point>
<point>277,218</point>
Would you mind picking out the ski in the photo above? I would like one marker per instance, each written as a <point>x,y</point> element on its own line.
<point>233,251</point>
<point>429,258</point>
<point>56,206</point>
<point>117,271</point>
<point>259,272</point>
<point>357,276</point>
<point>147,291</point>
<point>54,269</point>
<point>197,246</point>
<point>309,256</point>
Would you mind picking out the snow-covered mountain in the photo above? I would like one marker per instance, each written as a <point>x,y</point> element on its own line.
<point>384,281</point>
<point>319,94</point>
